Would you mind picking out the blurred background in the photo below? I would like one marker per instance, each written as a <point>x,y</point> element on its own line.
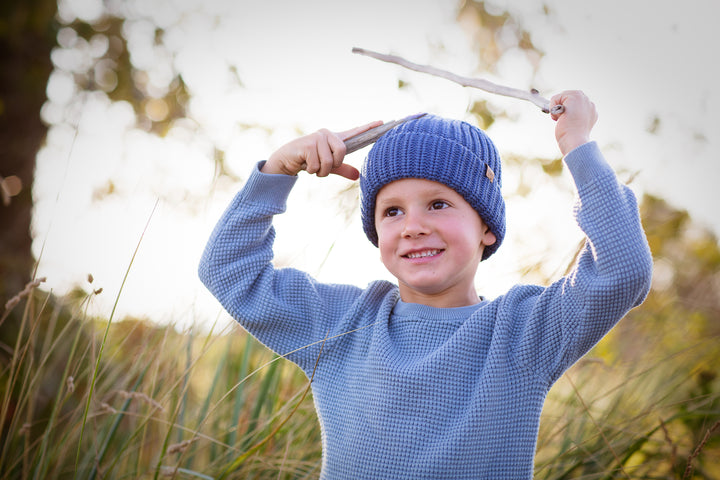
<point>127,126</point>
<point>173,101</point>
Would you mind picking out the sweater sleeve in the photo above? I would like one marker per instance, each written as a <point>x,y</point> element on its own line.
<point>284,308</point>
<point>555,326</point>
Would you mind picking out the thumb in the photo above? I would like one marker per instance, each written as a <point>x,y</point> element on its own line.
<point>347,171</point>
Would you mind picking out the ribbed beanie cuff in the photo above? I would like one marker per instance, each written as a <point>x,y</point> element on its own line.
<point>451,152</point>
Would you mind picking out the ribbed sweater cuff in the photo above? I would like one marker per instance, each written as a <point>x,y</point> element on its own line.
<point>586,163</point>
<point>272,189</point>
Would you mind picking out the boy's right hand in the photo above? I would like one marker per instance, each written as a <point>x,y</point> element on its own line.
<point>321,153</point>
<point>575,123</point>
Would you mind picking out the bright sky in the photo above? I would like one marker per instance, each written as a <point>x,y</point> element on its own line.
<point>636,60</point>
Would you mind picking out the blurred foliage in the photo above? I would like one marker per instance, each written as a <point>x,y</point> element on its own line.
<point>482,113</point>
<point>495,31</point>
<point>686,284</point>
<point>123,54</point>
<point>553,167</point>
<point>108,66</point>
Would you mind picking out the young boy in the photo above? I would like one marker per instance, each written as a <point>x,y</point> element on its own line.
<point>427,380</point>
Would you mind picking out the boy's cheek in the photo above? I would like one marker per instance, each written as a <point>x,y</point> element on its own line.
<point>384,257</point>
<point>378,224</point>
<point>383,230</point>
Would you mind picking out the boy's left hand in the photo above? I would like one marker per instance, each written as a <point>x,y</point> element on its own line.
<point>575,123</point>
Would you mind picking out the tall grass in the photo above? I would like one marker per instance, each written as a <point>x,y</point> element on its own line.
<point>169,404</point>
<point>165,404</point>
<point>647,418</point>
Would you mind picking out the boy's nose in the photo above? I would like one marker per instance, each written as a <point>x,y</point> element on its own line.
<point>414,225</point>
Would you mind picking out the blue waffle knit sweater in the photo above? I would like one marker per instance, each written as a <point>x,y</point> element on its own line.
<point>407,391</point>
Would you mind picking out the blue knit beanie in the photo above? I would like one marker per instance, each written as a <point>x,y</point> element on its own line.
<point>451,152</point>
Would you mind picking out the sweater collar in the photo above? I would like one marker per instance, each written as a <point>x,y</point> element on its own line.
<point>425,312</point>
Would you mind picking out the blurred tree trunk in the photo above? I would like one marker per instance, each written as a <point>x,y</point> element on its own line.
<point>27,35</point>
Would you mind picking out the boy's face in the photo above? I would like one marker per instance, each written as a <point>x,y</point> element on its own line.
<point>431,240</point>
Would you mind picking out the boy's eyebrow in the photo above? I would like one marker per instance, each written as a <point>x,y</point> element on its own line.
<point>388,201</point>
<point>438,192</point>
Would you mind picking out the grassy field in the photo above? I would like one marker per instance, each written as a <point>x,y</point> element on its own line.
<point>90,398</point>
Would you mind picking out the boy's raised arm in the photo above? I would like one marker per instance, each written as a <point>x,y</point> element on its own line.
<point>321,153</point>
<point>612,273</point>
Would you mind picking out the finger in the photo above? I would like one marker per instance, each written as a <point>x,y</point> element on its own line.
<point>347,171</point>
<point>325,154</point>
<point>556,100</point>
<point>338,149</point>
<point>312,161</point>
<point>358,130</point>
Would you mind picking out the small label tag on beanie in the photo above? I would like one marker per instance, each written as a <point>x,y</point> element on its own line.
<point>489,173</point>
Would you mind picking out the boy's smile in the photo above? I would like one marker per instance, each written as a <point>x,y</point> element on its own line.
<point>423,254</point>
<point>431,240</point>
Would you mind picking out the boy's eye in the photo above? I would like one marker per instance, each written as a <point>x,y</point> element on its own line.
<point>392,212</point>
<point>438,205</point>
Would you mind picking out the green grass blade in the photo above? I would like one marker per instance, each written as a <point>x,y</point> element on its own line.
<point>202,414</point>
<point>186,471</point>
<point>42,464</point>
<point>114,426</point>
<point>241,394</point>
<point>102,344</point>
<point>239,461</point>
<point>185,382</point>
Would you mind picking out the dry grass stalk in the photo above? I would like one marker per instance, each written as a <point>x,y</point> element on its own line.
<point>24,430</point>
<point>597,427</point>
<point>141,396</point>
<point>698,449</point>
<point>10,304</point>
<point>182,446</point>
<point>673,456</point>
<point>107,408</point>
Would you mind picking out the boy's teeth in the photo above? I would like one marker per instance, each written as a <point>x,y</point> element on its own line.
<point>426,253</point>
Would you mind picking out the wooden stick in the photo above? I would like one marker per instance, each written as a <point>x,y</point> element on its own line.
<point>366,138</point>
<point>480,83</point>
<point>371,136</point>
